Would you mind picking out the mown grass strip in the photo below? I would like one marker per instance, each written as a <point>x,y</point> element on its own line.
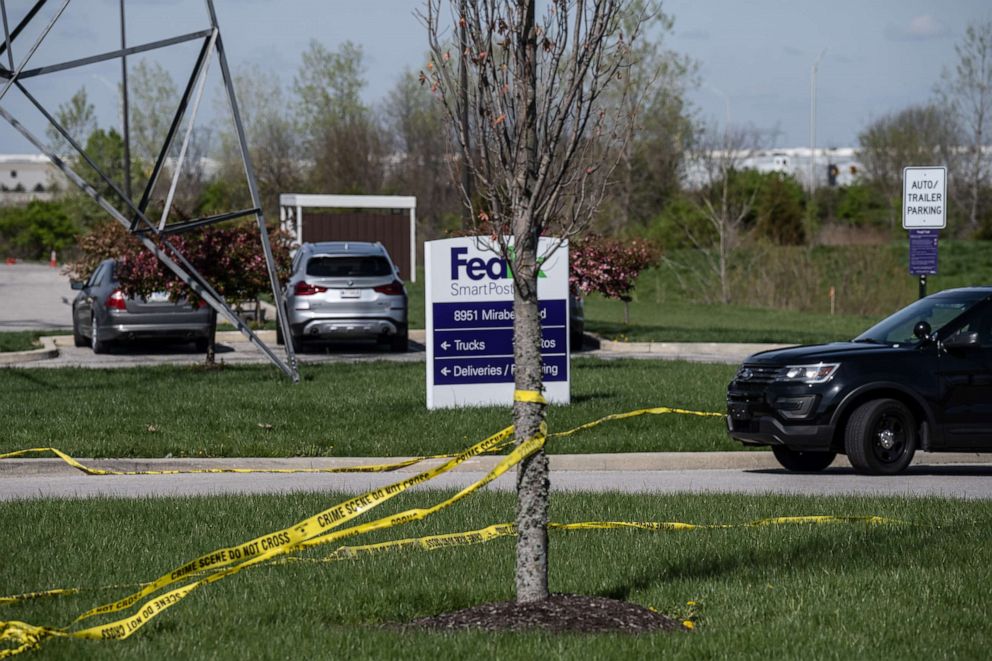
<point>771,592</point>
<point>368,409</point>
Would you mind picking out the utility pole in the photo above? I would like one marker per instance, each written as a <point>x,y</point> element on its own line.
<point>126,120</point>
<point>812,122</point>
<point>466,138</point>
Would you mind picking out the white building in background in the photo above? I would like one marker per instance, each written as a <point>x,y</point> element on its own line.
<point>25,177</point>
<point>836,167</point>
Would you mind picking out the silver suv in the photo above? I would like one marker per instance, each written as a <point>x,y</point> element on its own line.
<point>346,290</point>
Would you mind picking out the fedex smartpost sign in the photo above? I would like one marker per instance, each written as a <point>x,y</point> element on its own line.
<point>469,311</point>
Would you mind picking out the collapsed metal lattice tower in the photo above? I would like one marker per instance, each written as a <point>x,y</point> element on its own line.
<point>154,235</point>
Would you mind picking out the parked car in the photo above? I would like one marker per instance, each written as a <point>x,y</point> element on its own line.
<point>346,290</point>
<point>920,379</point>
<point>102,314</point>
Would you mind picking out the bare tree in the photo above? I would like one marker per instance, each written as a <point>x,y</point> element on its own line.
<point>341,133</point>
<point>78,117</point>
<point>967,93</point>
<point>421,150</point>
<point>540,124</point>
<point>654,91</point>
<point>722,196</point>
<point>917,135</point>
<point>274,140</point>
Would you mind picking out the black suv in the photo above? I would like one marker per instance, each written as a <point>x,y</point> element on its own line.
<point>921,378</point>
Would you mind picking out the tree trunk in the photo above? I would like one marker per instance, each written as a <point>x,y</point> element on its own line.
<point>212,340</point>
<point>533,484</point>
<point>532,473</point>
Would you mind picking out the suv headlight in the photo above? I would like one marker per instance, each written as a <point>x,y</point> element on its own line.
<point>818,373</point>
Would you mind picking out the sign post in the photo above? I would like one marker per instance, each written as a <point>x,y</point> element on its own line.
<point>469,310</point>
<point>924,214</point>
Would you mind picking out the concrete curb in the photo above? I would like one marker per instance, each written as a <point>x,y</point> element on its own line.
<point>620,462</point>
<point>49,349</point>
<point>717,352</point>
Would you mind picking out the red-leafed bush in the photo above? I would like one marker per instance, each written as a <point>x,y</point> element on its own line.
<point>608,266</point>
<point>230,258</point>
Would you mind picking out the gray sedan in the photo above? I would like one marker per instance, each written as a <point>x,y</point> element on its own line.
<point>102,314</point>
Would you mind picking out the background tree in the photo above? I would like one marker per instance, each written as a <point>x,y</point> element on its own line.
<point>539,123</point>
<point>653,91</point>
<point>153,99</point>
<point>274,144</point>
<point>343,138</point>
<point>422,155</point>
<point>918,135</point>
<point>724,195</point>
<point>967,94</point>
<point>78,117</point>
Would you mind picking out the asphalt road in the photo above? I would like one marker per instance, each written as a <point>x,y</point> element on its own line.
<point>955,480</point>
<point>32,298</point>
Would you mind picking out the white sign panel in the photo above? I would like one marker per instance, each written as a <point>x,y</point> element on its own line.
<point>924,198</point>
<point>469,310</point>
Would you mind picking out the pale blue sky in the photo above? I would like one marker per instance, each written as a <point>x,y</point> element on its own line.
<point>754,56</point>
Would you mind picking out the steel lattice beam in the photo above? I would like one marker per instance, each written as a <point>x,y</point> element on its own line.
<point>152,235</point>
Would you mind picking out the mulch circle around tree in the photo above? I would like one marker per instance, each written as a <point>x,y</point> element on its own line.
<point>560,613</point>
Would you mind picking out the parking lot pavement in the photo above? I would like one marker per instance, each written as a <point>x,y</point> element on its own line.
<point>34,297</point>
<point>232,349</point>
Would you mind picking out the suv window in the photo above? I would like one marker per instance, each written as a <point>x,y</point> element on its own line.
<point>979,322</point>
<point>348,267</point>
<point>937,311</point>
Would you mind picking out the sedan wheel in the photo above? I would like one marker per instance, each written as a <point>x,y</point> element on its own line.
<point>77,336</point>
<point>98,345</point>
<point>880,438</point>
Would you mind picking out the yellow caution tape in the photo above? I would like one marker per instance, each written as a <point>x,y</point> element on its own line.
<point>533,396</point>
<point>499,530</point>
<point>231,560</point>
<point>313,531</point>
<point>519,395</point>
<point>89,470</point>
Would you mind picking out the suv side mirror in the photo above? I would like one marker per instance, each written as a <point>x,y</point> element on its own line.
<point>962,341</point>
<point>922,330</point>
<point>77,284</point>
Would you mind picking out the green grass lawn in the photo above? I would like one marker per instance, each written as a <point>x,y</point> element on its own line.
<point>673,321</point>
<point>655,316</point>
<point>809,591</point>
<point>363,409</point>
<point>24,340</point>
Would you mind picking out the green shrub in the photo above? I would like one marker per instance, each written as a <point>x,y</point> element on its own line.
<point>34,230</point>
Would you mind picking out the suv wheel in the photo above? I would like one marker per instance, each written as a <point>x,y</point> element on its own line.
<point>400,343</point>
<point>801,461</point>
<point>298,344</point>
<point>880,438</point>
<point>98,345</point>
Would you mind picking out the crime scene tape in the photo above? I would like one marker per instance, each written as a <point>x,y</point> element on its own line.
<point>89,470</point>
<point>318,529</point>
<point>497,531</point>
<point>521,396</point>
